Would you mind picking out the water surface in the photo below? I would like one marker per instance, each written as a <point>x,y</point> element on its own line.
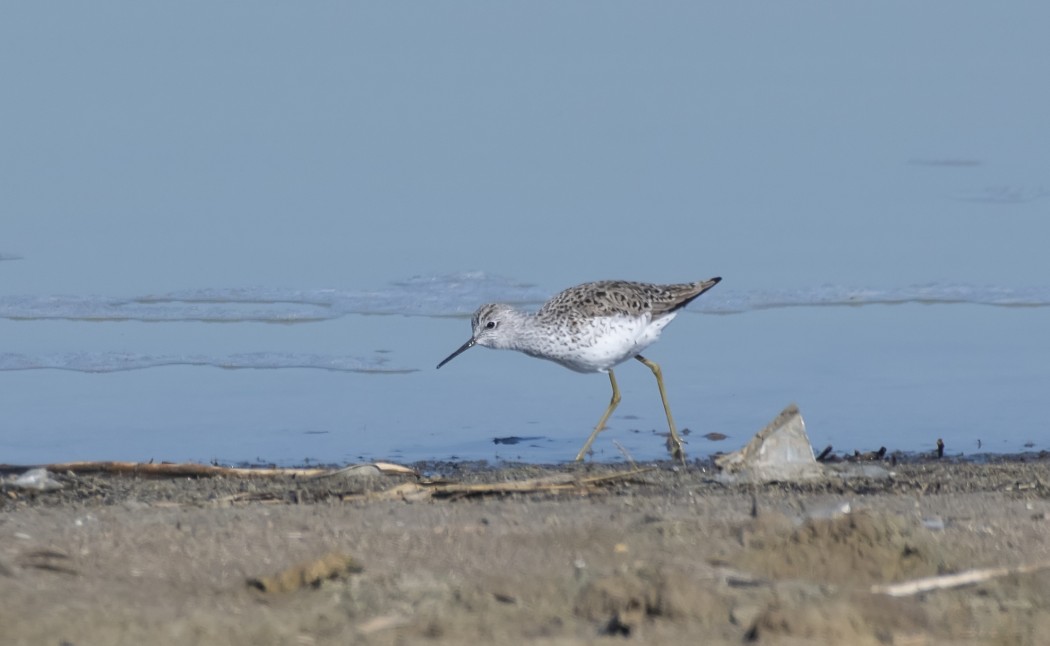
<point>248,232</point>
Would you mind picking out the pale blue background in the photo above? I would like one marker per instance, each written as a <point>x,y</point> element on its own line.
<point>147,148</point>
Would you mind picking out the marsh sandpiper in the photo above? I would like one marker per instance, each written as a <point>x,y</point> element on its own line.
<point>591,328</point>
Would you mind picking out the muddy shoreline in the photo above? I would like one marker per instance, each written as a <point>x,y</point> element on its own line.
<point>666,554</point>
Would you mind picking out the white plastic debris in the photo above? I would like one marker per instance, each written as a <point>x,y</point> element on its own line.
<point>38,479</point>
<point>779,452</point>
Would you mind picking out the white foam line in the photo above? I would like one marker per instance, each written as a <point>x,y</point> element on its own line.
<point>459,295</point>
<point>103,362</point>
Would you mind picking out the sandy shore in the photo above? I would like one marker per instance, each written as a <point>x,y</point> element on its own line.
<point>665,556</point>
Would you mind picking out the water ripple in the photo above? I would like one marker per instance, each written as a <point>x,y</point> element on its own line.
<point>124,361</point>
<point>457,295</point>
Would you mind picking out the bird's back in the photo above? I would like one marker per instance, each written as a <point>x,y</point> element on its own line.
<point>621,297</point>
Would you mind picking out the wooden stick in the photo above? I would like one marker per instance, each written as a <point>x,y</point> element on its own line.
<point>192,469</point>
<point>557,483</point>
<point>927,584</point>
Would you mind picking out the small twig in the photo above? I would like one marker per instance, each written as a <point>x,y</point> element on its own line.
<point>558,483</point>
<point>619,475</point>
<point>947,581</point>
<point>369,468</point>
<point>193,469</point>
<point>171,469</point>
<point>625,453</point>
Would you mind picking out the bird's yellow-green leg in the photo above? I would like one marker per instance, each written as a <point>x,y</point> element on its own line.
<point>674,442</point>
<point>601,423</point>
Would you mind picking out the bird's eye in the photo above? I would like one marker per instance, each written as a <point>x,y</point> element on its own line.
<point>491,325</point>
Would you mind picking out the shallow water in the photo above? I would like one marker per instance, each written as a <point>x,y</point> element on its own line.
<point>166,382</point>
<point>251,235</point>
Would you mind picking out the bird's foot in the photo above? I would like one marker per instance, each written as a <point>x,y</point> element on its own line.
<point>676,448</point>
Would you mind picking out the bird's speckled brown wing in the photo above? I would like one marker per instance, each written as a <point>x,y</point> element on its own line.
<point>612,297</point>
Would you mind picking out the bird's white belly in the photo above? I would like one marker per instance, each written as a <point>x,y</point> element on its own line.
<point>605,342</point>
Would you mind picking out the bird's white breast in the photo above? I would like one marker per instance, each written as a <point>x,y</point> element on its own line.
<point>604,342</point>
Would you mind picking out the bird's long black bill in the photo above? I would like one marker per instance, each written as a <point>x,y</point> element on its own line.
<point>463,348</point>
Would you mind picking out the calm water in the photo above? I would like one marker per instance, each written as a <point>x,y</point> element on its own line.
<point>249,233</point>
